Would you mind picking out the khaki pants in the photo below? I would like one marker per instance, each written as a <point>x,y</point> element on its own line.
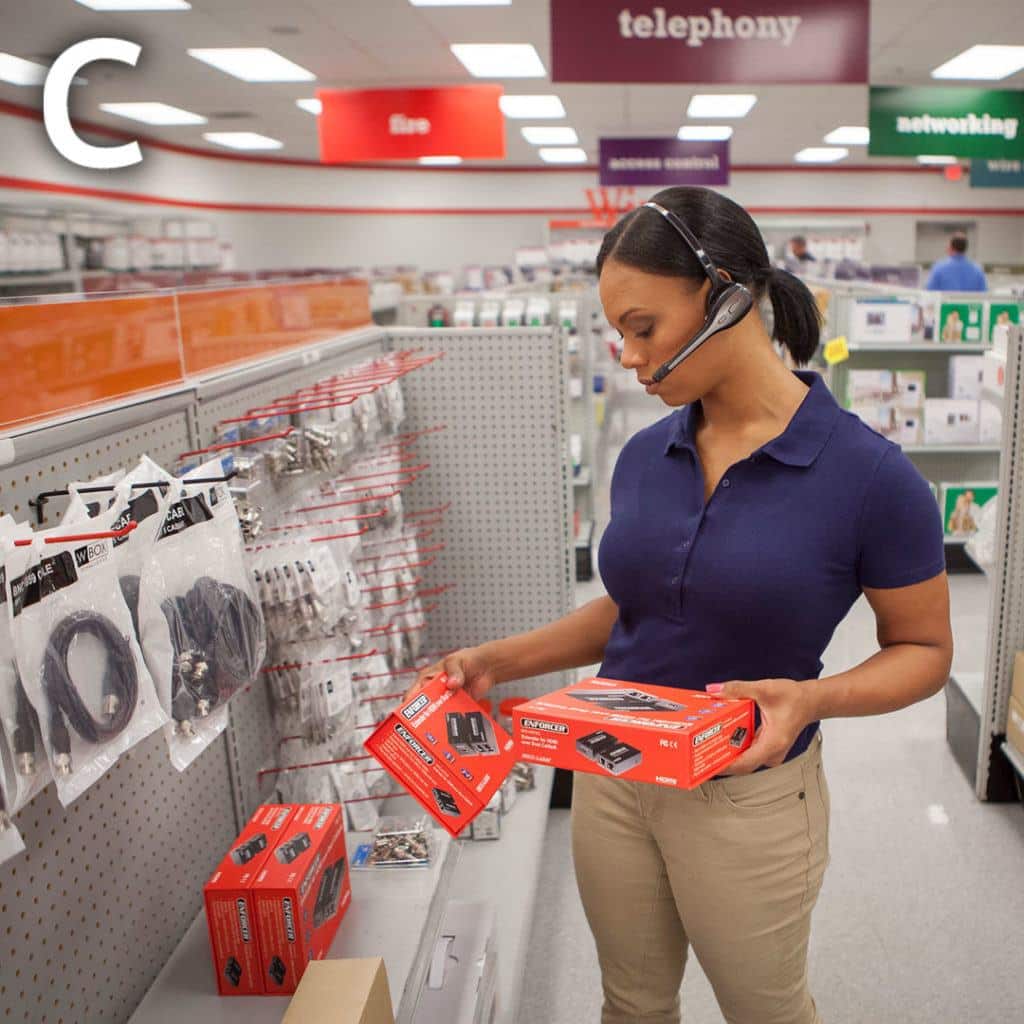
<point>732,868</point>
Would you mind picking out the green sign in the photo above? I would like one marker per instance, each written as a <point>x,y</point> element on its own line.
<point>1002,313</point>
<point>960,321</point>
<point>955,122</point>
<point>997,174</point>
<point>962,504</point>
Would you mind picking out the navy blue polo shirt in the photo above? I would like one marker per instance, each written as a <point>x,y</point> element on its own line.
<point>753,584</point>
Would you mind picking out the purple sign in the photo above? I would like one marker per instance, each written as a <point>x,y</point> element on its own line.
<point>663,162</point>
<point>746,41</point>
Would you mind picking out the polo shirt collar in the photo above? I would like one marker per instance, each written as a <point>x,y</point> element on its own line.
<point>798,445</point>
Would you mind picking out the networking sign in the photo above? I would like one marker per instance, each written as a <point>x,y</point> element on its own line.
<point>750,41</point>
<point>985,123</point>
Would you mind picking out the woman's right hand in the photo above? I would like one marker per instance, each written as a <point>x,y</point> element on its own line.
<point>467,669</point>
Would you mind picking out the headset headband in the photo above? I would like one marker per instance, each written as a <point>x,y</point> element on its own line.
<point>706,262</point>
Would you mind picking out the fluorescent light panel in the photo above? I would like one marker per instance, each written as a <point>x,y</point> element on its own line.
<point>704,133</point>
<point>550,135</point>
<point>18,71</point>
<point>721,105</point>
<point>311,105</point>
<point>983,62</point>
<point>253,64</point>
<point>563,155</point>
<point>821,155</point>
<point>499,60</point>
<point>136,5</point>
<point>849,135</point>
<point>153,113</point>
<point>936,161</point>
<point>530,107</point>
<point>242,140</point>
<point>440,161</point>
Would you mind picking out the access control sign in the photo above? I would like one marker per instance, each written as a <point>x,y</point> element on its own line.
<point>984,123</point>
<point>746,41</point>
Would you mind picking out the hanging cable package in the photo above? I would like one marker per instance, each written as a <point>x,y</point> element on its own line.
<point>202,628</point>
<point>78,658</point>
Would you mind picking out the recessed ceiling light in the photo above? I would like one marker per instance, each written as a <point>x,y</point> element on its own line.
<point>550,135</point>
<point>721,105</point>
<point>311,105</point>
<point>983,62</point>
<point>529,107</point>
<point>153,113</point>
<point>500,60</point>
<point>440,161</point>
<point>242,140</point>
<point>563,155</point>
<point>821,155</point>
<point>849,135</point>
<point>18,71</point>
<point>704,132</point>
<point>253,64</point>
<point>936,161</point>
<point>136,5</point>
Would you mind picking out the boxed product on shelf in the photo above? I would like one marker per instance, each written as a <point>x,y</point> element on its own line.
<point>1001,315</point>
<point>881,320</point>
<point>300,894</point>
<point>960,322</point>
<point>868,386</point>
<point>659,734</point>
<point>879,416</point>
<point>446,750</point>
<point>1015,725</point>
<point>965,376</point>
<point>908,426</point>
<point>993,373</point>
<point>230,910</point>
<point>487,824</point>
<point>990,425</point>
<point>342,992</point>
<point>951,421</point>
<point>909,388</point>
<point>1017,687</point>
<point>962,503</point>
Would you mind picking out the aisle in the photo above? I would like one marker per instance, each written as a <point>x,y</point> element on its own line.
<point>920,917</point>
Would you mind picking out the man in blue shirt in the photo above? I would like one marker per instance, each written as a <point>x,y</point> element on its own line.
<point>957,273</point>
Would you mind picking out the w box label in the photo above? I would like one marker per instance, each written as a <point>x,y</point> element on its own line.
<point>446,751</point>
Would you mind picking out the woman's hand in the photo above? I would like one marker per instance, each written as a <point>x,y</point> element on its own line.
<point>786,708</point>
<point>468,668</point>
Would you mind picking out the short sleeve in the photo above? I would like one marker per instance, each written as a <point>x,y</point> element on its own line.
<point>900,530</point>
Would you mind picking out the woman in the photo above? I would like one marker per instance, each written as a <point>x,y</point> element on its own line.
<point>743,527</point>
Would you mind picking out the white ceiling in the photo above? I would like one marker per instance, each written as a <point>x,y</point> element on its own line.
<point>351,43</point>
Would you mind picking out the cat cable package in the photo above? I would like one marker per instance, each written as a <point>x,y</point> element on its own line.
<point>78,657</point>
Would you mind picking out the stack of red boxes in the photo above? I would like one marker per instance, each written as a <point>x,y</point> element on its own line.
<point>277,898</point>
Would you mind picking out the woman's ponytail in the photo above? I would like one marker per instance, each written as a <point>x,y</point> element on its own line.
<point>795,312</point>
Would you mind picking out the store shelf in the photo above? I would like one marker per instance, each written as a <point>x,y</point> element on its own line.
<point>1014,758</point>
<point>504,873</point>
<point>950,348</point>
<point>582,478</point>
<point>395,914</point>
<point>955,541</point>
<point>952,449</point>
<point>586,534</point>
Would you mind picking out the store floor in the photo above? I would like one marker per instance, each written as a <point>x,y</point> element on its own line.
<point>922,911</point>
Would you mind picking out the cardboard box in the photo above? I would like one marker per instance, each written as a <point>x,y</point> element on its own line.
<point>658,734</point>
<point>909,388</point>
<point>908,426</point>
<point>965,376</point>
<point>1017,690</point>
<point>962,503</point>
<point>230,913</point>
<point>993,372</point>
<point>342,992</point>
<point>881,320</point>
<point>1015,725</point>
<point>869,386</point>
<point>301,894</point>
<point>446,751</point>
<point>951,421</point>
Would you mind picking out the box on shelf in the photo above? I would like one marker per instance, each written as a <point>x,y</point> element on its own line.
<point>908,426</point>
<point>909,388</point>
<point>962,503</point>
<point>658,734</point>
<point>990,426</point>
<point>446,751</point>
<point>230,908</point>
<point>1015,725</point>
<point>951,421</point>
<point>881,320</point>
<point>869,386</point>
<point>342,992</point>
<point>879,416</point>
<point>1017,689</point>
<point>993,372</point>
<point>965,376</point>
<point>300,895</point>
<point>960,322</point>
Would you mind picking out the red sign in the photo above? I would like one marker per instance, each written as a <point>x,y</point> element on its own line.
<point>742,41</point>
<point>403,124</point>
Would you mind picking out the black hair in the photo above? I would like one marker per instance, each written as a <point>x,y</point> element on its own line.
<point>958,243</point>
<point>644,240</point>
<point>799,240</point>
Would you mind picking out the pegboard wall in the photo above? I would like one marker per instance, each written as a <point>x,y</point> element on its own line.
<point>106,887</point>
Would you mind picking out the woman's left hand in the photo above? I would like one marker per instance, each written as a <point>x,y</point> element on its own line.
<point>785,710</point>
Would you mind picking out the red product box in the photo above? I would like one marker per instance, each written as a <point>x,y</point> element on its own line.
<point>446,751</point>
<point>230,915</point>
<point>301,894</point>
<point>644,733</point>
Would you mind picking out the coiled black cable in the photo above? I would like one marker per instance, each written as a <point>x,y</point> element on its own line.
<point>120,685</point>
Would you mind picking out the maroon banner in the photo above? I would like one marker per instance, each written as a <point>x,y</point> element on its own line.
<point>663,162</point>
<point>751,42</point>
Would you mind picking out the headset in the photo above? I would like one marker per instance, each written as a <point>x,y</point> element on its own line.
<point>728,302</point>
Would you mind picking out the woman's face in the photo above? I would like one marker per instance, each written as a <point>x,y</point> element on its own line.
<point>656,316</point>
